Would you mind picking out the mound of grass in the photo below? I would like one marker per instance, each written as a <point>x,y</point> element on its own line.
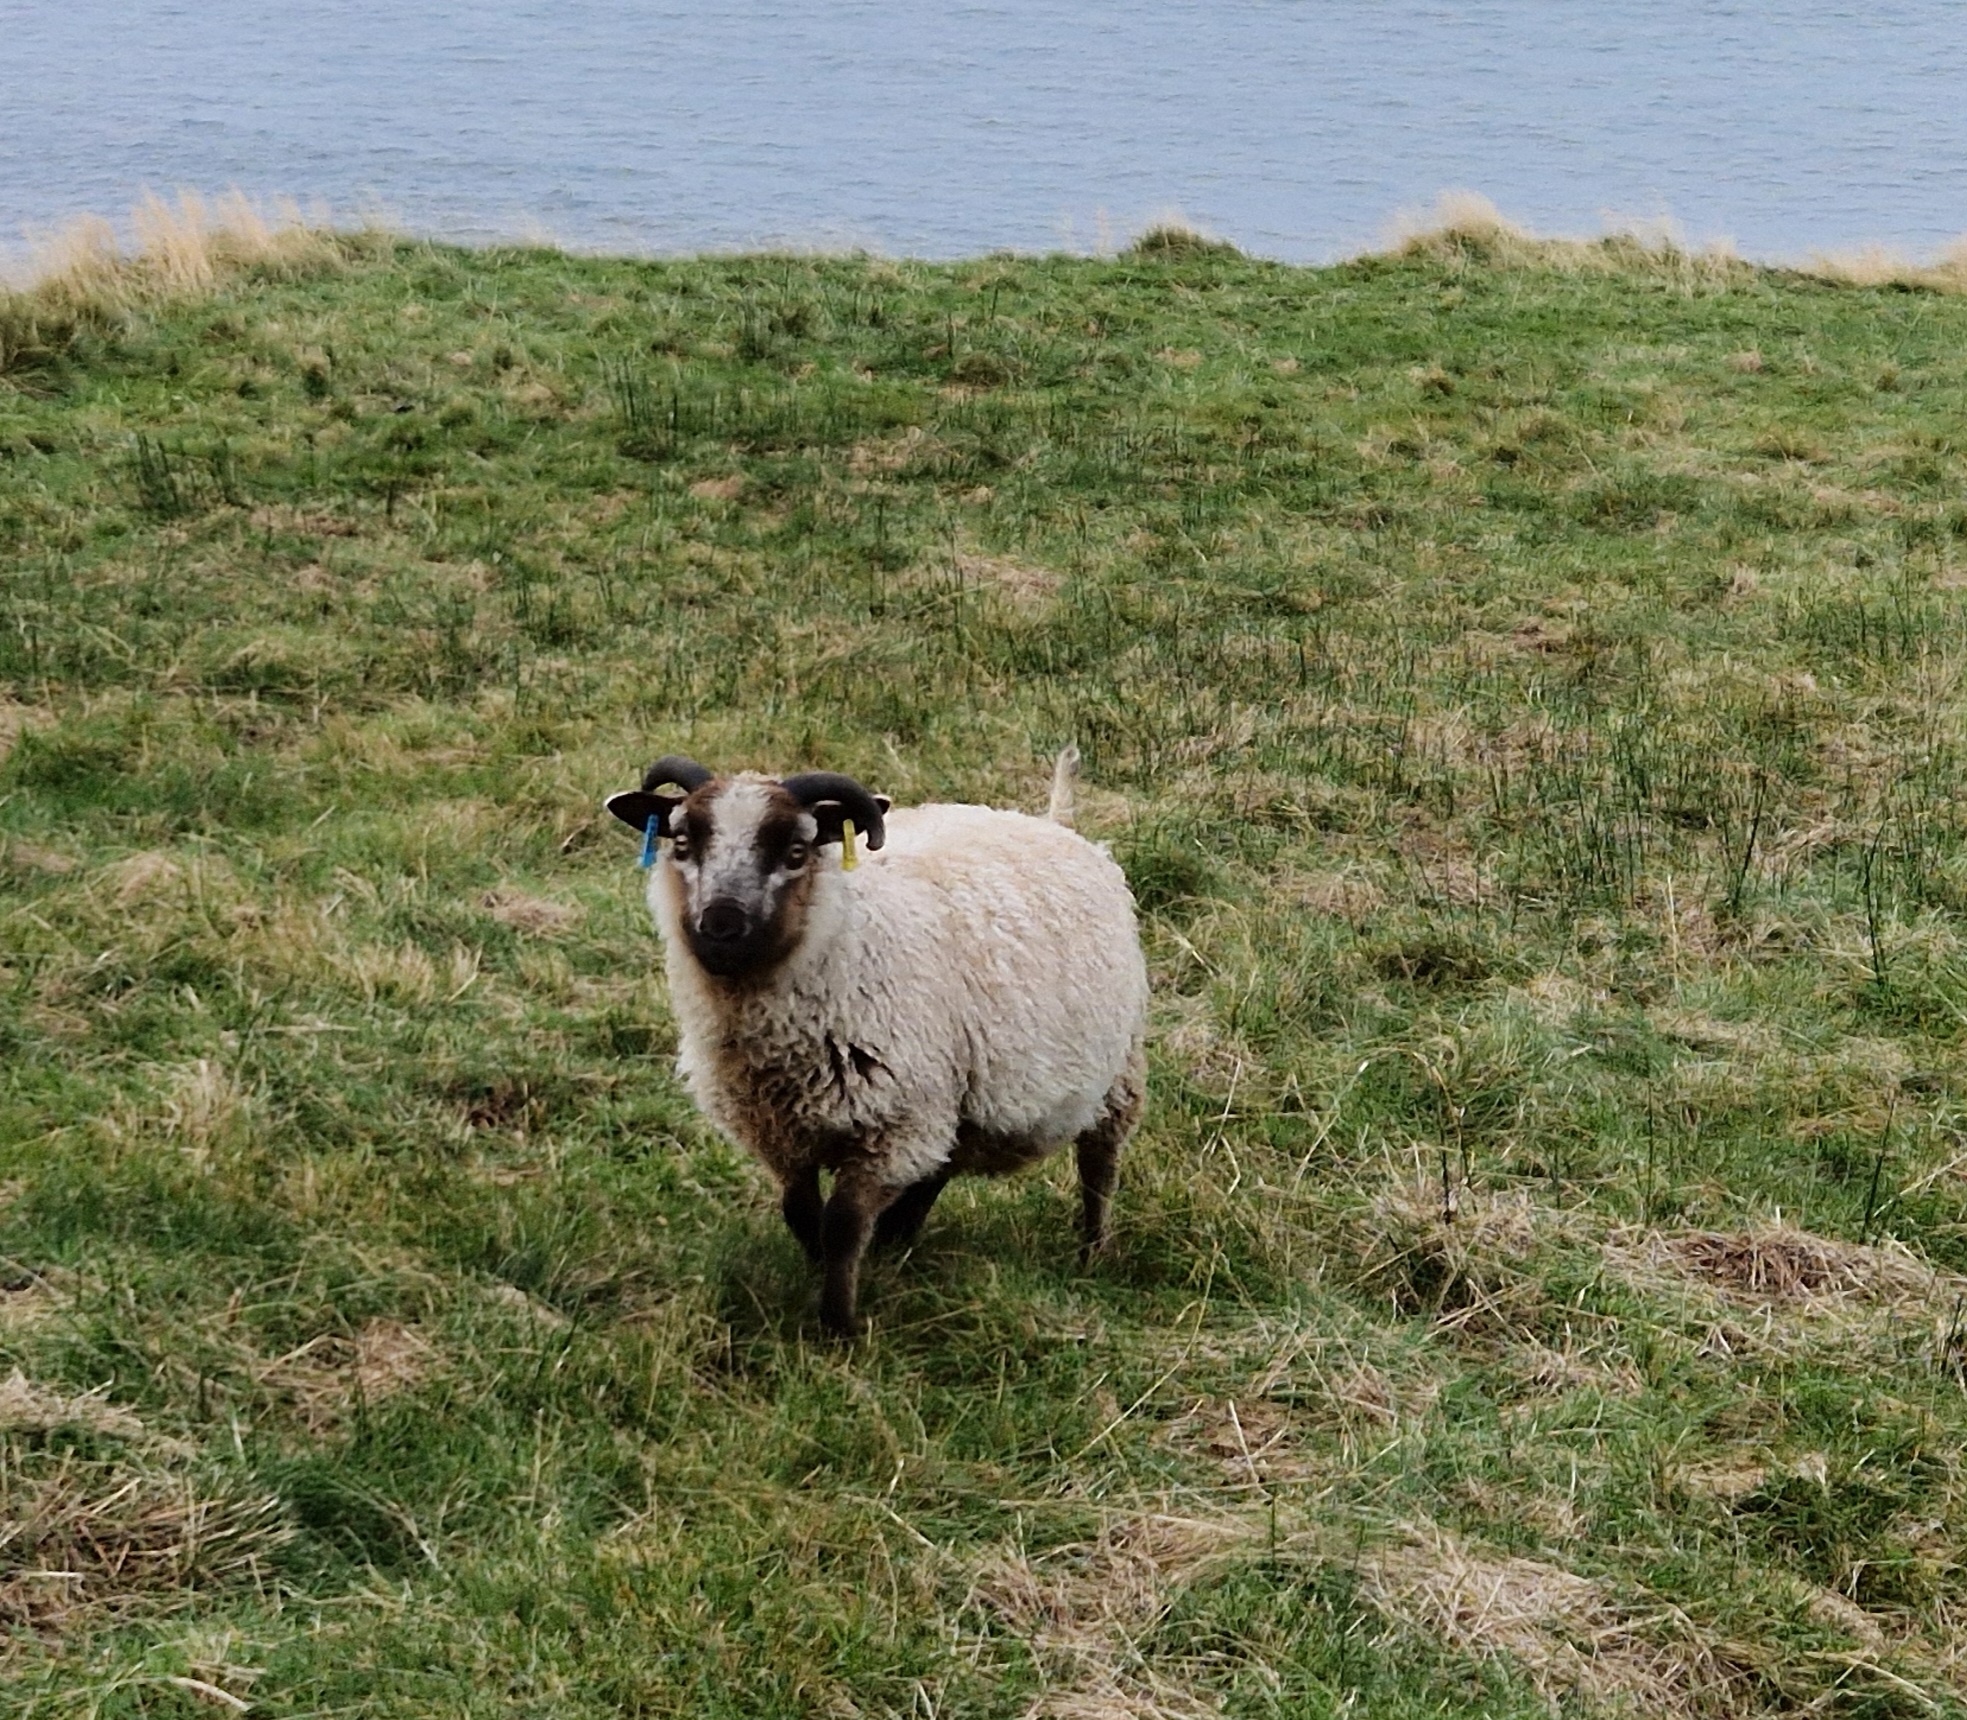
<point>1176,239</point>
<point>1523,682</point>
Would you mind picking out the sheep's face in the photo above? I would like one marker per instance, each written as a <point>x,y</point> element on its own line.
<point>741,864</point>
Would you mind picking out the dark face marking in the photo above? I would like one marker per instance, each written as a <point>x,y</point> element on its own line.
<point>743,852</point>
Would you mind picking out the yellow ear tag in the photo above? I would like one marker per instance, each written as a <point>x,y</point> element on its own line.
<point>848,860</point>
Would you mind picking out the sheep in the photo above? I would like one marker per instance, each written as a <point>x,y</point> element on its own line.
<point>966,998</point>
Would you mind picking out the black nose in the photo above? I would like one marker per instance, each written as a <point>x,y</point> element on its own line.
<point>722,922</point>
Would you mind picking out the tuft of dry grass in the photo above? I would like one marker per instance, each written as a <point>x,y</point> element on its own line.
<point>82,276</point>
<point>1024,584</point>
<point>1881,266</point>
<point>327,1377</point>
<point>1083,1610</point>
<point>1456,216</point>
<point>204,1108</point>
<point>1252,1439</point>
<point>87,1537</point>
<point>536,916</point>
<point>182,246</point>
<point>1779,1263</point>
<point>1466,1259</point>
<point>15,720</point>
<point>1466,224</point>
<point>28,1408</point>
<point>1563,1630</point>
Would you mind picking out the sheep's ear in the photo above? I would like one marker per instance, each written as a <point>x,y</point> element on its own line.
<point>828,814</point>
<point>639,810</point>
<point>887,806</point>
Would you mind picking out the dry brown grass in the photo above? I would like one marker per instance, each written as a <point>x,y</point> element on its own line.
<point>145,875</point>
<point>79,1534</point>
<point>1083,1610</point>
<point>1347,895</point>
<point>1880,266</point>
<point>82,275</point>
<point>1778,1263</point>
<point>35,857</point>
<point>1564,1631</point>
<point>537,916</point>
<point>1253,1440</point>
<point>1464,1257</point>
<point>15,720</point>
<point>182,246</point>
<point>1026,585</point>
<point>29,1408</point>
<point>205,1109</point>
<point>328,1377</point>
<point>898,455</point>
<point>90,1536</point>
<point>1465,223</point>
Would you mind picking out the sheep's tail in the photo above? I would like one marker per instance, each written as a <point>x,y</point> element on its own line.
<point>1065,780</point>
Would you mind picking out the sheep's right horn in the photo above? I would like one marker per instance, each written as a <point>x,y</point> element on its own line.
<point>815,787</point>
<point>686,773</point>
<point>640,809</point>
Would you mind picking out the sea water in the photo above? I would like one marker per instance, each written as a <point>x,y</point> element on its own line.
<point>1296,128</point>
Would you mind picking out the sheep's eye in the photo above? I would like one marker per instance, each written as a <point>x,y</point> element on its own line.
<point>679,847</point>
<point>795,857</point>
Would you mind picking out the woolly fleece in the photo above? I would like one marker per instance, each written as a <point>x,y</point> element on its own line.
<point>966,997</point>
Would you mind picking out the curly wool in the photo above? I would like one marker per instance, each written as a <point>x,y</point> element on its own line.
<point>967,998</point>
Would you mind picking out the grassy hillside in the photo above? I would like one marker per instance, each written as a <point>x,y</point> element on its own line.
<point>1524,686</point>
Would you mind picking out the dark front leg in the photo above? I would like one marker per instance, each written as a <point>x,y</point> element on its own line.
<point>845,1230</point>
<point>898,1226</point>
<point>803,1210</point>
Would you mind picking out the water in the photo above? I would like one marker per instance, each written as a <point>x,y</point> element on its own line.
<point>1294,127</point>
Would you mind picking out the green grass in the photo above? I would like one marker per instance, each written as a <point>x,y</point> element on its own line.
<point>1525,687</point>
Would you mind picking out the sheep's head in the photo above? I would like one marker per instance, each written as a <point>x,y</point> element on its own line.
<point>741,851</point>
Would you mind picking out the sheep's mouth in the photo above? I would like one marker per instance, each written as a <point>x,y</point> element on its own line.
<point>737,954</point>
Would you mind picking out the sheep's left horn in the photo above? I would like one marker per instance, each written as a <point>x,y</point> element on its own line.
<point>863,808</point>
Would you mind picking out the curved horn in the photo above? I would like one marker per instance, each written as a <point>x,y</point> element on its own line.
<point>640,809</point>
<point>863,808</point>
<point>686,773</point>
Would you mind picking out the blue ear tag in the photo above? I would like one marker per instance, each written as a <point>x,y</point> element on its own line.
<point>648,844</point>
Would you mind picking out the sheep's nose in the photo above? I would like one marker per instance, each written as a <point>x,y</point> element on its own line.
<point>722,922</point>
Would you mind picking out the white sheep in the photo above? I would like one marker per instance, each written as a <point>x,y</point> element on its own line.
<point>965,999</point>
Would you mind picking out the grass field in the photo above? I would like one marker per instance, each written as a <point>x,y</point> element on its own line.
<point>1524,685</point>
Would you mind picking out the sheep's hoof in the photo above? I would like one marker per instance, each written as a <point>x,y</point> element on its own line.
<point>842,1329</point>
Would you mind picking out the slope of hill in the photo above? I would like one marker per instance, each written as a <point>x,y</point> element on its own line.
<point>1524,686</point>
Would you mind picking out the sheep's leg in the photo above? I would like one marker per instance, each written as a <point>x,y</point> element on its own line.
<point>1098,1151</point>
<point>846,1228</point>
<point>899,1225</point>
<point>803,1210</point>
